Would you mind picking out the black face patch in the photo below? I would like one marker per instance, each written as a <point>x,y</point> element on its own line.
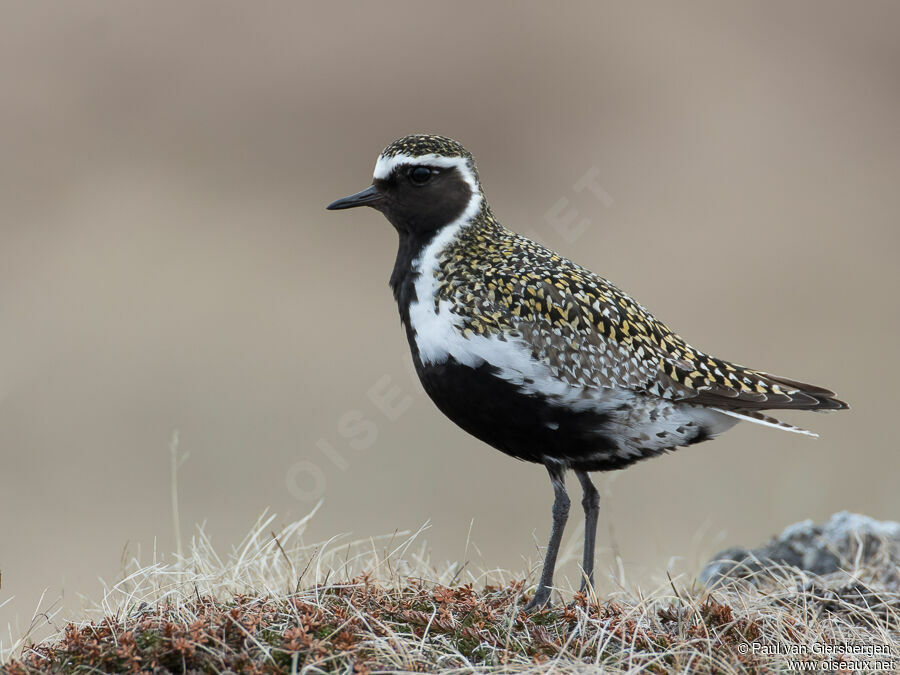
<point>419,198</point>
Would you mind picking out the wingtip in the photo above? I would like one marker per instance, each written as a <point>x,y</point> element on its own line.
<point>832,405</point>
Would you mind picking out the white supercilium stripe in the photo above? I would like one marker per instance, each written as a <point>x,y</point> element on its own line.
<point>386,165</point>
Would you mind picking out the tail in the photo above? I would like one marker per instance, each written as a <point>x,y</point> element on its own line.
<point>746,389</point>
<point>807,396</point>
<point>791,395</point>
<point>758,418</point>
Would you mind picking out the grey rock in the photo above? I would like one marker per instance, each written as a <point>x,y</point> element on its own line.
<point>845,542</point>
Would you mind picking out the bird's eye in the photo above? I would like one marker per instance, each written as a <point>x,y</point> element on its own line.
<point>419,175</point>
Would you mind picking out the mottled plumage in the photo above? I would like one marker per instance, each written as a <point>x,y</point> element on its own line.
<point>536,355</point>
<point>590,333</point>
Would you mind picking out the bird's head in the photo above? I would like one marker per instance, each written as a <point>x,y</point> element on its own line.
<point>421,183</point>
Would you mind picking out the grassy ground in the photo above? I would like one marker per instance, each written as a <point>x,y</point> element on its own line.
<point>275,605</point>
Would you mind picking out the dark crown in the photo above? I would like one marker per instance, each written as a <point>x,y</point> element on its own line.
<point>416,145</point>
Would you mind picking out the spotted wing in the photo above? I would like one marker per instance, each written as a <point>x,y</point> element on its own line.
<point>592,334</point>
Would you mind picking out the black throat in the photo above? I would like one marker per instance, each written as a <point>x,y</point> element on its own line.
<point>411,245</point>
<point>419,213</point>
<point>412,241</point>
<point>403,277</point>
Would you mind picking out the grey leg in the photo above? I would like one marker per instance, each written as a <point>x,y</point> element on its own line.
<point>557,473</point>
<point>591,504</point>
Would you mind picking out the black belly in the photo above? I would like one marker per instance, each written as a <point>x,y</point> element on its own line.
<point>525,426</point>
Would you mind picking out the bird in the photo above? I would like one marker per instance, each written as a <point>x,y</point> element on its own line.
<point>539,357</point>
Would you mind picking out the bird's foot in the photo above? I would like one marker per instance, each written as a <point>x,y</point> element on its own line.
<point>540,600</point>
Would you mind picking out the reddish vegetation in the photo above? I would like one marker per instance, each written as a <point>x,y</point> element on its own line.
<point>361,627</point>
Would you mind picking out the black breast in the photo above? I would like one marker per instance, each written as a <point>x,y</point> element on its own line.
<point>525,426</point>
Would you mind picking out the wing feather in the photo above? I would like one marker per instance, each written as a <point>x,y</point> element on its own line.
<point>596,335</point>
<point>592,334</point>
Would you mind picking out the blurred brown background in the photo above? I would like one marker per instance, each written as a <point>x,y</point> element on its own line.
<point>166,262</point>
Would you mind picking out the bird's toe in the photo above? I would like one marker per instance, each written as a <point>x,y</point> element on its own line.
<point>540,600</point>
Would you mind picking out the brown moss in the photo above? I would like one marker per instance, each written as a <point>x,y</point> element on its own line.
<point>342,631</point>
